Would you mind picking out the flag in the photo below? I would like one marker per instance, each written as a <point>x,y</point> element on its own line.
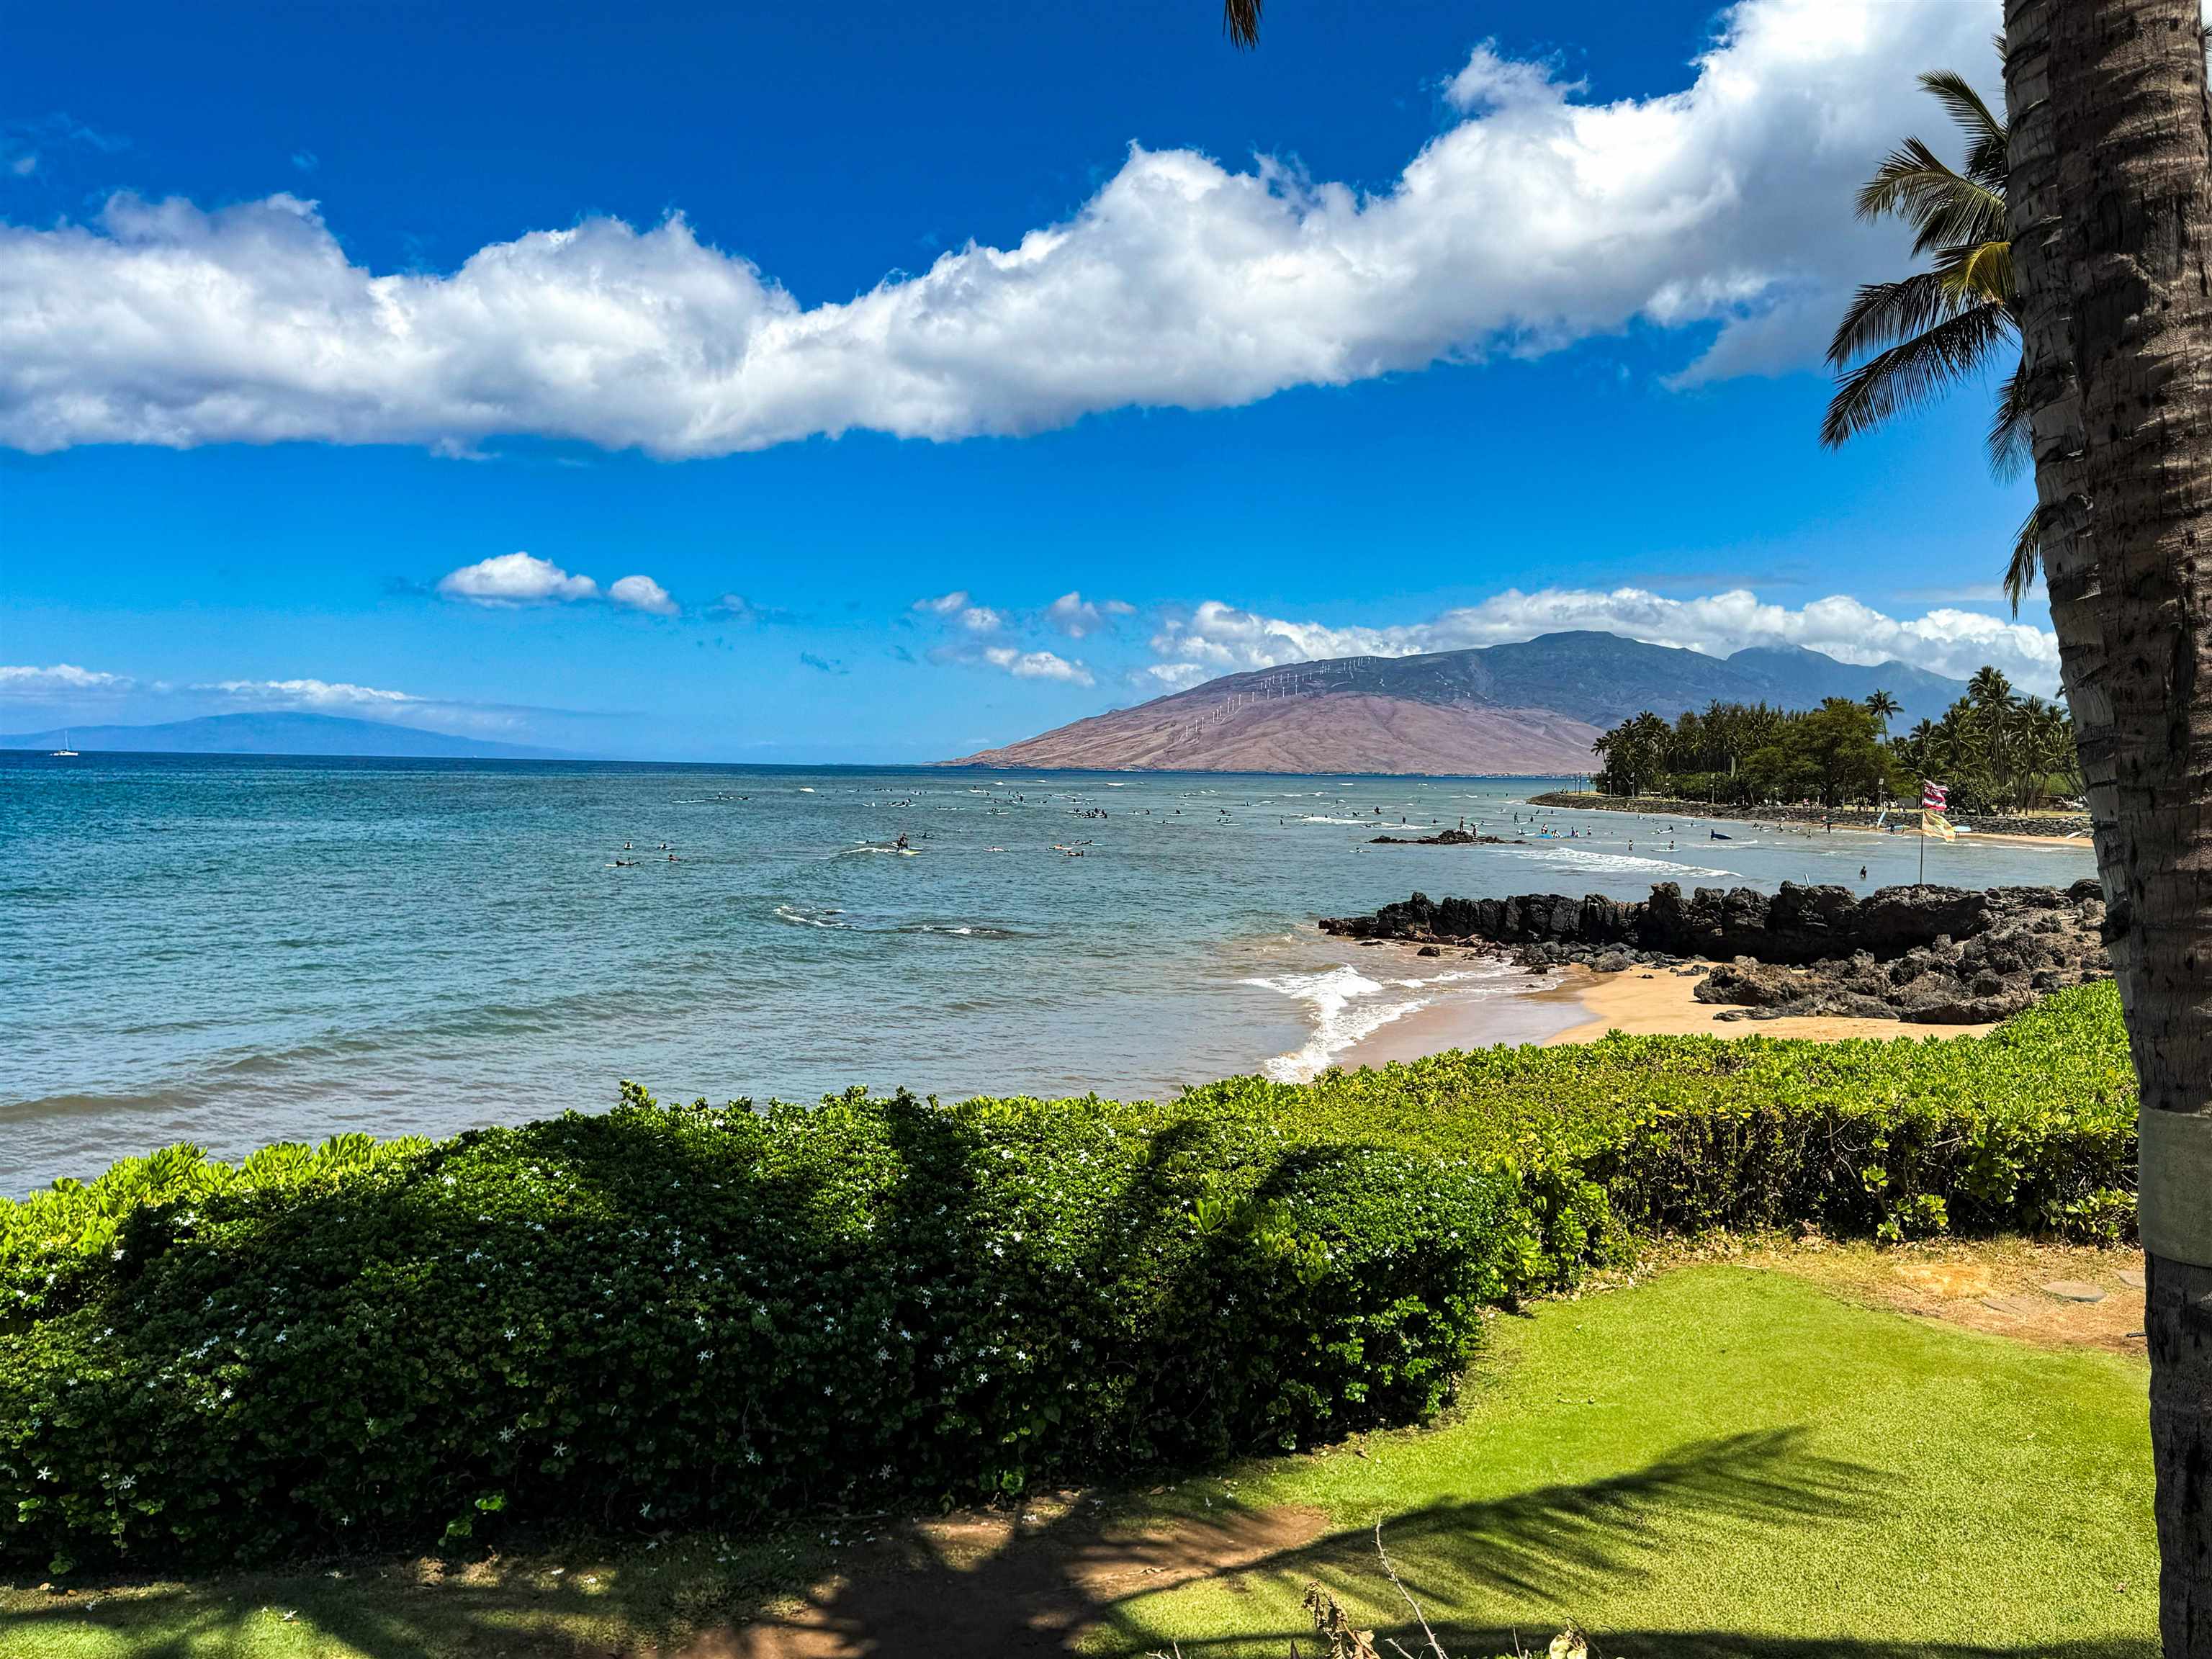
<point>1934,823</point>
<point>1934,796</point>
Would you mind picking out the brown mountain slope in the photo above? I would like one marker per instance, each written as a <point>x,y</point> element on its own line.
<point>1332,731</point>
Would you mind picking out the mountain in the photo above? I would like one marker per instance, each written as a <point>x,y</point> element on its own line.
<point>1528,709</point>
<point>1802,678</point>
<point>276,734</point>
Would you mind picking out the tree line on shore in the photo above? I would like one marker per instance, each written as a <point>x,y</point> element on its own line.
<point>1994,750</point>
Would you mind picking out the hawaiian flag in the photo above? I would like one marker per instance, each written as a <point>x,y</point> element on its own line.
<point>1933,796</point>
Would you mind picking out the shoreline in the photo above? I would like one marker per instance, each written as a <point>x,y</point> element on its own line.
<point>1577,1004</point>
<point>1811,821</point>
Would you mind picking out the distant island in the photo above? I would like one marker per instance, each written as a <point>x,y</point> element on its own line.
<point>278,734</point>
<point>1528,710</point>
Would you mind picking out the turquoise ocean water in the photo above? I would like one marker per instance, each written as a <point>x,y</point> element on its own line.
<point>231,951</point>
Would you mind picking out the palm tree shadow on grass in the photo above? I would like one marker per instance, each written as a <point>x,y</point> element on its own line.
<point>1553,1543</point>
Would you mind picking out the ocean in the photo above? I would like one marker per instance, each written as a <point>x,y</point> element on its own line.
<point>235,950</point>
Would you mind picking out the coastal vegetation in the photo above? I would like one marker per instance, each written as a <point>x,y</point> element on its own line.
<point>1994,751</point>
<point>1903,343</point>
<point>673,1315</point>
<point>1739,1458</point>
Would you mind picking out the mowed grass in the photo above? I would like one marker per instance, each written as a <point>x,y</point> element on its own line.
<point>1719,1462</point>
<point>1724,1462</point>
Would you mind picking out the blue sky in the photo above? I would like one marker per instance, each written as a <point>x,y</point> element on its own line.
<point>288,355</point>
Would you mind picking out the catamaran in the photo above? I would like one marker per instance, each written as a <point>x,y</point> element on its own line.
<point>64,752</point>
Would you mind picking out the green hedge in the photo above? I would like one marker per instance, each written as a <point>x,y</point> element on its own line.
<point>664,1316</point>
<point>667,1315</point>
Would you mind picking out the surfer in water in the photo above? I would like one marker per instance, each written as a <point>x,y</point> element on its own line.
<point>900,844</point>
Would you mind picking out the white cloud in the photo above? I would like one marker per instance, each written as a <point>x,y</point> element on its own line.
<point>1217,639</point>
<point>955,608</point>
<point>642,593</point>
<point>1036,665</point>
<point>1538,217</point>
<point>515,578</point>
<point>322,695</point>
<point>59,679</point>
<point>1075,616</point>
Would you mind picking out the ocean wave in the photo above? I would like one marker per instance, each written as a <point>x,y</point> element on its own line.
<point>799,918</point>
<point>1345,1007</point>
<point>1572,858</point>
<point>830,918</point>
<point>1319,817</point>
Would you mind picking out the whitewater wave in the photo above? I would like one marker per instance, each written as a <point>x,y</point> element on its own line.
<point>798,918</point>
<point>1346,1007</point>
<point>1572,858</point>
<point>799,915</point>
<point>1322,818</point>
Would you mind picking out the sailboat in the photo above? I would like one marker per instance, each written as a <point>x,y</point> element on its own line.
<point>64,752</point>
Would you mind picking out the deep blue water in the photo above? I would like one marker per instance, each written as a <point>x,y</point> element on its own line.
<point>232,951</point>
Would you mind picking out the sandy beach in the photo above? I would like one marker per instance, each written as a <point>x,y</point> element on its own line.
<point>1574,1005</point>
<point>1802,821</point>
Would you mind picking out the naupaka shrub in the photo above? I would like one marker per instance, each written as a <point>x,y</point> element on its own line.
<point>660,1316</point>
<point>670,1315</point>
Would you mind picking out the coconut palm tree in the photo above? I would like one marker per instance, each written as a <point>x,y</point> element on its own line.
<point>2109,194</point>
<point>1882,706</point>
<point>1902,343</point>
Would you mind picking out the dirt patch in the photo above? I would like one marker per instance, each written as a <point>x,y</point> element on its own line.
<point>2038,1293</point>
<point>1004,1584</point>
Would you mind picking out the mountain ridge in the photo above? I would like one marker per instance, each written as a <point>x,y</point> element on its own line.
<point>332,736</point>
<point>1527,709</point>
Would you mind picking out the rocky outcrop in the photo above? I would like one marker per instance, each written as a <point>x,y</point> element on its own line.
<point>1940,955</point>
<point>1446,838</point>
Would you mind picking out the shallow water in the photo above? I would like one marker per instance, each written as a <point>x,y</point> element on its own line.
<point>236,950</point>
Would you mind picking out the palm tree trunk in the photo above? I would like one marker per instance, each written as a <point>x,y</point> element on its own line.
<point>2111,210</point>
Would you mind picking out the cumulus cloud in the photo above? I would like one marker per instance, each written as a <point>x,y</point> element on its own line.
<point>641,593</point>
<point>1075,616</point>
<point>954,607</point>
<point>1036,665</point>
<point>1217,639</point>
<point>515,578</point>
<point>58,679</point>
<point>312,695</point>
<point>1540,215</point>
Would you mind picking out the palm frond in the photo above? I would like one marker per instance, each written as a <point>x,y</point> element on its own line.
<point>2009,441</point>
<point>1982,270</point>
<point>1910,374</point>
<point>1240,21</point>
<point>1986,137</point>
<point>1883,313</point>
<point>2026,557</point>
<point>1943,206</point>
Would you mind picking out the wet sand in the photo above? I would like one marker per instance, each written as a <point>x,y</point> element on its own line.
<point>1574,1005</point>
<point>1653,1002</point>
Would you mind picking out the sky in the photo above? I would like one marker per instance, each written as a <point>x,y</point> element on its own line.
<point>751,383</point>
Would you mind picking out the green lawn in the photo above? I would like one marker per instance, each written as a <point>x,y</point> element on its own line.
<point>1719,1463</point>
<point>1729,1463</point>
